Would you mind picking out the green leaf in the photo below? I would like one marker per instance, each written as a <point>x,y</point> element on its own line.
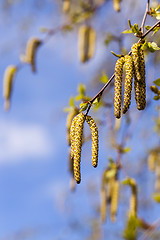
<point>126,150</point>
<point>81,89</point>
<point>156,197</point>
<point>157,82</point>
<point>148,27</point>
<point>152,47</point>
<point>83,106</point>
<point>117,55</point>
<point>127,31</point>
<point>157,8</point>
<point>71,102</point>
<point>104,78</point>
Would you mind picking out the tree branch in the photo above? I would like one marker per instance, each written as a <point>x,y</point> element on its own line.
<point>145,16</point>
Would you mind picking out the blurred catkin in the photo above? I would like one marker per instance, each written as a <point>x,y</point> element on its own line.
<point>86,42</point>
<point>30,55</point>
<point>9,76</point>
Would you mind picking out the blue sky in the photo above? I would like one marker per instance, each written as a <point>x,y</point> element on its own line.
<point>35,200</point>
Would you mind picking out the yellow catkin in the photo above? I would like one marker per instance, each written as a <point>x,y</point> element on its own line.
<point>66,6</point>
<point>152,161</point>
<point>86,43</point>
<point>116,5</point>
<point>157,173</point>
<point>94,134</point>
<point>72,136</point>
<point>9,76</point>
<point>139,76</point>
<point>133,201</point>
<point>118,87</point>
<point>78,145</point>
<point>128,83</point>
<point>114,200</point>
<point>70,117</point>
<point>103,206</point>
<point>31,50</point>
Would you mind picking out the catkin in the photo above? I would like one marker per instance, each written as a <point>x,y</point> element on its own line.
<point>157,173</point>
<point>133,201</point>
<point>116,5</point>
<point>94,134</point>
<point>9,76</point>
<point>128,83</point>
<point>152,161</point>
<point>103,207</point>
<point>114,200</point>
<point>76,144</point>
<point>86,43</point>
<point>66,6</point>
<point>118,87</point>
<point>139,76</point>
<point>70,117</point>
<point>31,50</point>
<point>72,136</point>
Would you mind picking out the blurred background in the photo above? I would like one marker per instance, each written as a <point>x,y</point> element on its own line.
<point>36,201</point>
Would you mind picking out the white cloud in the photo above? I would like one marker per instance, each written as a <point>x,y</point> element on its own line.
<point>19,141</point>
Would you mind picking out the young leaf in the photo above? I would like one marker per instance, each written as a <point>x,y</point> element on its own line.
<point>83,106</point>
<point>82,89</point>
<point>104,78</point>
<point>157,82</point>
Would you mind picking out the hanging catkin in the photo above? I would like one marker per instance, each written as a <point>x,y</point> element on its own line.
<point>31,49</point>
<point>94,134</point>
<point>9,76</point>
<point>114,200</point>
<point>76,144</point>
<point>118,87</point>
<point>139,76</point>
<point>86,43</point>
<point>70,117</point>
<point>128,83</point>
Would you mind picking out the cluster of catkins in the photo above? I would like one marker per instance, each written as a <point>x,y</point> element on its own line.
<point>134,65</point>
<point>76,135</point>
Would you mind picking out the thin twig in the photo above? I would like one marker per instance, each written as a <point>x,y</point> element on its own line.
<point>145,16</point>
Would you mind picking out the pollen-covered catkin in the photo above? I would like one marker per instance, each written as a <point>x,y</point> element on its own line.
<point>114,200</point>
<point>72,135</point>
<point>31,50</point>
<point>94,134</point>
<point>78,146</point>
<point>86,42</point>
<point>70,117</point>
<point>9,76</point>
<point>139,76</point>
<point>118,87</point>
<point>66,6</point>
<point>128,83</point>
